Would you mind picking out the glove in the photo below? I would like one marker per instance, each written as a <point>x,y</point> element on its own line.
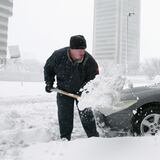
<point>48,88</point>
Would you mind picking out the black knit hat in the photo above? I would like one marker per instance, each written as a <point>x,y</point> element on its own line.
<point>78,42</point>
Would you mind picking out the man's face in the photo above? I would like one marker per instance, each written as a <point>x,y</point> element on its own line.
<point>77,54</point>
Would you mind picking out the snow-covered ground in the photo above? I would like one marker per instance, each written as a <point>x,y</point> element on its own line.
<point>29,130</point>
<point>28,116</point>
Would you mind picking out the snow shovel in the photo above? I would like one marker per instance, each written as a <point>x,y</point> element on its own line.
<point>65,93</point>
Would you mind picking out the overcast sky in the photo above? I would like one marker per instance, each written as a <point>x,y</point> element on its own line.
<point>41,26</point>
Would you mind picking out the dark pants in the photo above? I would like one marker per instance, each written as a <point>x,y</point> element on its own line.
<point>65,117</point>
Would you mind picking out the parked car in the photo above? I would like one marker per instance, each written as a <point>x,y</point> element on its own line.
<point>137,113</point>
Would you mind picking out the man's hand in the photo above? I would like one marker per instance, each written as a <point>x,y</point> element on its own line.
<point>48,88</point>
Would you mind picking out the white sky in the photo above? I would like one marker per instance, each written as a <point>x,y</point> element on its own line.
<point>150,29</point>
<point>41,26</point>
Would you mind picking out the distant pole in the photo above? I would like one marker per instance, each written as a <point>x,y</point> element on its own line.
<point>126,57</point>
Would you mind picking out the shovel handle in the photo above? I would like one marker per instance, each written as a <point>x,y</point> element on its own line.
<point>65,93</point>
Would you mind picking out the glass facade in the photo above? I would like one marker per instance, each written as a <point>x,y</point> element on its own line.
<point>117,31</point>
<point>5,12</point>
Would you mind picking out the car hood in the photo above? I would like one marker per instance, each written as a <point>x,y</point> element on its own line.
<point>139,92</point>
<point>129,97</point>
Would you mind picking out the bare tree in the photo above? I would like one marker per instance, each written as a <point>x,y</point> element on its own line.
<point>151,67</point>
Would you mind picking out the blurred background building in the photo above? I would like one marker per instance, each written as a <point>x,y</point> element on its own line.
<point>6,7</point>
<point>116,36</point>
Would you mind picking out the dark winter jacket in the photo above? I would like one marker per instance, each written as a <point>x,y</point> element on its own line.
<point>71,76</point>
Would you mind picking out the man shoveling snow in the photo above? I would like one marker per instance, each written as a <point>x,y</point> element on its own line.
<point>73,68</point>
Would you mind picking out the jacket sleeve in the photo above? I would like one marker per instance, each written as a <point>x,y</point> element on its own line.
<point>49,69</point>
<point>91,69</point>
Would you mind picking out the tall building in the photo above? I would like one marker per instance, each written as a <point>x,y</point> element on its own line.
<point>116,37</point>
<point>5,12</point>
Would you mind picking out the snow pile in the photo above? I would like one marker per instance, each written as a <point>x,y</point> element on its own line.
<point>156,80</point>
<point>28,116</point>
<point>102,92</point>
<point>9,120</point>
<point>16,128</point>
<point>126,148</point>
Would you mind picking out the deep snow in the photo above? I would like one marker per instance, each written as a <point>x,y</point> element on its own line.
<point>29,131</point>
